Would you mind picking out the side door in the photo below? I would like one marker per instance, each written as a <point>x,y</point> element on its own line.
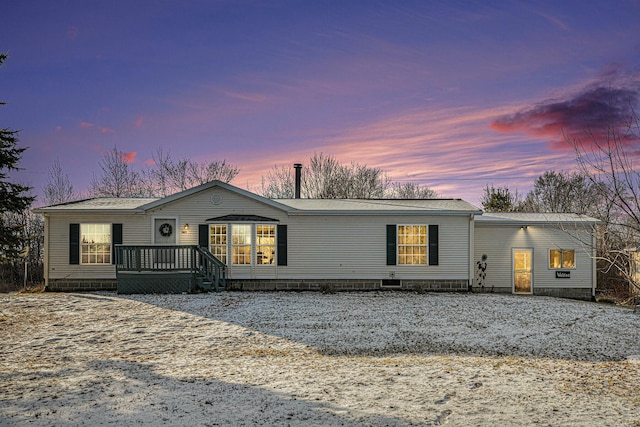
<point>522,270</point>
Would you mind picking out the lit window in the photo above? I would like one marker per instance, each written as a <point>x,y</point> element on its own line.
<point>95,247</point>
<point>562,258</point>
<point>218,241</point>
<point>241,244</point>
<point>265,244</point>
<point>412,244</point>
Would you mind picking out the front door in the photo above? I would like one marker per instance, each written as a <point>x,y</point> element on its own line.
<point>522,271</point>
<point>164,230</point>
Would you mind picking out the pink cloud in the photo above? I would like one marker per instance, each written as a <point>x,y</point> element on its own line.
<point>129,157</point>
<point>587,116</point>
<point>139,122</point>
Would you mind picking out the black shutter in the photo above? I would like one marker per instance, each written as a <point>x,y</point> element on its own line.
<point>203,236</point>
<point>74,243</point>
<point>282,244</point>
<point>433,245</point>
<point>116,239</point>
<point>391,244</point>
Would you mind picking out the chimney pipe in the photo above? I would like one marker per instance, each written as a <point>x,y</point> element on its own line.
<point>298,168</point>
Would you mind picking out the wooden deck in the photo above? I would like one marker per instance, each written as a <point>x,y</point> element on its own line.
<point>168,269</point>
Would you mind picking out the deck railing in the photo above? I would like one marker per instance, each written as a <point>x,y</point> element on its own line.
<point>192,259</point>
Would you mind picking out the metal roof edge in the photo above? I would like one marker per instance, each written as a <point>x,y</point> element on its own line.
<point>300,212</point>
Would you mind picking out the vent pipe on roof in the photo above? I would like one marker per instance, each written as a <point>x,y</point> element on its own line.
<point>298,168</point>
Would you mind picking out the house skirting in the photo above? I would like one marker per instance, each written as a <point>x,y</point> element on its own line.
<point>334,285</point>
<point>81,285</point>
<point>571,293</point>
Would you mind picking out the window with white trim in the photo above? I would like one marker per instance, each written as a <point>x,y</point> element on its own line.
<point>562,258</point>
<point>95,243</point>
<point>412,244</point>
<point>241,244</point>
<point>265,244</point>
<point>218,241</point>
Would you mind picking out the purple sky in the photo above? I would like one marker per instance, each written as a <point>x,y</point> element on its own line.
<point>454,95</point>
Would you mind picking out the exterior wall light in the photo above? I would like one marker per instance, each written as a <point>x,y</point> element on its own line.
<point>524,227</point>
<point>186,227</point>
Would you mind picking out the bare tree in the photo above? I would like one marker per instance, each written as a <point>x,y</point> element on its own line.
<point>324,177</point>
<point>565,192</point>
<point>168,176</point>
<point>203,172</point>
<point>118,178</point>
<point>607,159</point>
<point>411,190</point>
<point>279,183</point>
<point>58,188</point>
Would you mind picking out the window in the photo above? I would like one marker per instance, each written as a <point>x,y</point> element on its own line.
<point>562,258</point>
<point>412,244</point>
<point>241,244</point>
<point>218,241</point>
<point>265,244</point>
<point>95,243</point>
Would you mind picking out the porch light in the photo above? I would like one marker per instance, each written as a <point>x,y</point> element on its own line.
<point>186,227</point>
<point>524,227</point>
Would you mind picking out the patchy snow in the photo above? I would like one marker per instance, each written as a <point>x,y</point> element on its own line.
<point>378,358</point>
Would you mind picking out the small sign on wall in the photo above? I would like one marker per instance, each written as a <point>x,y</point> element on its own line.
<point>563,275</point>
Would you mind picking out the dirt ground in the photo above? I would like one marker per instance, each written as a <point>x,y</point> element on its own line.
<point>353,359</point>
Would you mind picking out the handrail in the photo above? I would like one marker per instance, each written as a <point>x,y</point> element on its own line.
<point>171,258</point>
<point>218,274</point>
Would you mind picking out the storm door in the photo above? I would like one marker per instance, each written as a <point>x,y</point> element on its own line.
<point>522,271</point>
<point>164,230</point>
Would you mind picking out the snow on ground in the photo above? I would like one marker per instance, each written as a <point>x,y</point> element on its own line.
<point>354,359</point>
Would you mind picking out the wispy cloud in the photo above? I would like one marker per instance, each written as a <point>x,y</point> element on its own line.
<point>101,129</point>
<point>454,151</point>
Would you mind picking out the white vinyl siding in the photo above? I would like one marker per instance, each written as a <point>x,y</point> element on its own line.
<point>497,241</point>
<point>354,247</point>
<point>136,231</point>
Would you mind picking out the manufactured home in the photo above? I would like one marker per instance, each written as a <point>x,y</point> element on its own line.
<point>219,236</point>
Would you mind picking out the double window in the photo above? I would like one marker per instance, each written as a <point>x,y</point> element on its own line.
<point>562,258</point>
<point>243,244</point>
<point>95,243</point>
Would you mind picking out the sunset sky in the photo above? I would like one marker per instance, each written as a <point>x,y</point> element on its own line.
<point>451,94</point>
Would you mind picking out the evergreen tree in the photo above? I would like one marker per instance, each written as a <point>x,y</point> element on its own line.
<point>14,198</point>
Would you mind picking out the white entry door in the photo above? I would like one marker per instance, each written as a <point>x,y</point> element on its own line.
<point>522,271</point>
